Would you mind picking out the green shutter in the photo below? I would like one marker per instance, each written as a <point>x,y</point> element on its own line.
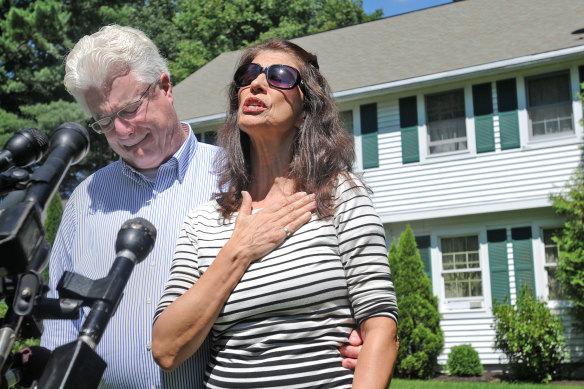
<point>409,143</point>
<point>498,265</point>
<point>423,243</point>
<point>523,257</point>
<point>485,135</point>
<point>370,150</point>
<point>408,123</point>
<point>508,119</point>
<point>509,129</point>
<point>369,142</point>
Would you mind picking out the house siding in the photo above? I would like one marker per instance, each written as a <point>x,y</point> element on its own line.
<point>471,192</point>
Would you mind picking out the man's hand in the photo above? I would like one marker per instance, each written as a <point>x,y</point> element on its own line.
<point>351,351</point>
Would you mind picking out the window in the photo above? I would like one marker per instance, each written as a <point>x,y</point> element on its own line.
<point>549,105</point>
<point>446,122</point>
<point>209,137</point>
<point>347,121</point>
<point>461,267</point>
<point>551,264</point>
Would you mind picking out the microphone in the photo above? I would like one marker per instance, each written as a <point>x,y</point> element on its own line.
<point>69,144</point>
<point>134,242</point>
<point>76,364</point>
<point>21,232</point>
<point>24,148</point>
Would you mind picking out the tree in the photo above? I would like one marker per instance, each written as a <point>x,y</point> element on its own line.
<point>570,205</point>
<point>36,35</point>
<point>420,335</point>
<point>216,26</point>
<point>54,214</point>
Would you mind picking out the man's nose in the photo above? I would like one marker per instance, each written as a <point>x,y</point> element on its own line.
<point>123,127</point>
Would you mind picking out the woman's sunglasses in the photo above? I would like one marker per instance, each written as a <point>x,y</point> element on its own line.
<point>278,76</point>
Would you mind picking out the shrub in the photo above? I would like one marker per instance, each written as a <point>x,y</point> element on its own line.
<point>464,361</point>
<point>420,336</point>
<point>54,215</point>
<point>531,337</point>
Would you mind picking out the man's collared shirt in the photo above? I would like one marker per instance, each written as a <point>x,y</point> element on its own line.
<point>85,245</point>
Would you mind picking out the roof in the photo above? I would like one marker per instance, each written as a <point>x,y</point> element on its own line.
<point>435,40</point>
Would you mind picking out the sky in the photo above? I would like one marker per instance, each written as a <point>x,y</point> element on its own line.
<point>395,7</point>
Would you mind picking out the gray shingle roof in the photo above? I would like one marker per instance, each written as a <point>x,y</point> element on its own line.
<point>434,40</point>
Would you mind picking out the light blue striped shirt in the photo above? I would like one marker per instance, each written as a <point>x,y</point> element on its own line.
<point>85,244</point>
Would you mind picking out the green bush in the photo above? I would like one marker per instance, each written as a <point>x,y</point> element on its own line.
<point>420,336</point>
<point>54,215</point>
<point>531,337</point>
<point>464,361</point>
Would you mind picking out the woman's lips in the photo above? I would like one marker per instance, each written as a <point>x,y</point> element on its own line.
<point>253,105</point>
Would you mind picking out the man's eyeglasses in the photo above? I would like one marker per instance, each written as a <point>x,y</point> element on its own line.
<point>106,123</point>
<point>278,76</point>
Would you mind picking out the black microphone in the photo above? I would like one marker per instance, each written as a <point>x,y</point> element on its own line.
<point>134,242</point>
<point>76,364</point>
<point>21,231</point>
<point>24,148</point>
<point>69,144</point>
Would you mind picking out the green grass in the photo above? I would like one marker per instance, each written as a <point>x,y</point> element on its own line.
<point>397,383</point>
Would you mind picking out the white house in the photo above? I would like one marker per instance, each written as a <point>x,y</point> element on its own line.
<point>465,118</point>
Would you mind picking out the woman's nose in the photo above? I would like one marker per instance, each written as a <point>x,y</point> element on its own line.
<point>260,83</point>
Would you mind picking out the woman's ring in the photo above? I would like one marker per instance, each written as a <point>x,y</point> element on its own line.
<point>288,233</point>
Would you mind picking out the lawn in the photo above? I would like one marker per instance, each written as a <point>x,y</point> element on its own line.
<point>415,384</point>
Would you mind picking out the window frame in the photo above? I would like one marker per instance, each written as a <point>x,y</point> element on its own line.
<point>450,141</point>
<point>529,107</point>
<point>548,265</point>
<point>463,303</point>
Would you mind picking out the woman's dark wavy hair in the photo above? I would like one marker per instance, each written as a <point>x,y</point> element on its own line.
<point>321,152</point>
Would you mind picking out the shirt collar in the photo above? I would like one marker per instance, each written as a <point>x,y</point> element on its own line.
<point>184,155</point>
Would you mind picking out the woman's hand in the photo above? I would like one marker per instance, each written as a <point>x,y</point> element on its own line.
<point>351,351</point>
<point>255,235</point>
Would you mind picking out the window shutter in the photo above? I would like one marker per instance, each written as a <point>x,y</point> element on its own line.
<point>523,257</point>
<point>498,265</point>
<point>508,119</point>
<point>408,122</point>
<point>483,111</point>
<point>423,243</point>
<point>369,143</point>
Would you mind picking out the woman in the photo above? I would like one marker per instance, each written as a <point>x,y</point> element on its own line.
<point>294,302</point>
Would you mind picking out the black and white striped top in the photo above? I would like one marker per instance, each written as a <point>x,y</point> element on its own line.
<point>284,323</point>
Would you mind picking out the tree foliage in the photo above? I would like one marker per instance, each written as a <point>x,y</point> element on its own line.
<point>570,205</point>
<point>216,26</point>
<point>36,35</point>
<point>530,336</point>
<point>54,215</point>
<point>421,338</point>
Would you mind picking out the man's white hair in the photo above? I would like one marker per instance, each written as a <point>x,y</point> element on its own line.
<point>113,50</point>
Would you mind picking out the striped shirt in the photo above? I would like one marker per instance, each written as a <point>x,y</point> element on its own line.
<point>85,245</point>
<point>284,323</point>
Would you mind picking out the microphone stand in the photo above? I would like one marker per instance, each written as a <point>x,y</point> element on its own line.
<point>77,364</point>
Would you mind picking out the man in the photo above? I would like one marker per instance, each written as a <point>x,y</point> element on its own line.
<point>119,78</point>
